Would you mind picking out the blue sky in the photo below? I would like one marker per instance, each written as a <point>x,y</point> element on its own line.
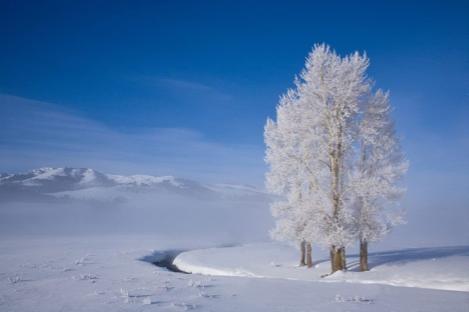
<point>184,88</point>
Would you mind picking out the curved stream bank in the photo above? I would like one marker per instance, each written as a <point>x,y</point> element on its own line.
<point>165,259</point>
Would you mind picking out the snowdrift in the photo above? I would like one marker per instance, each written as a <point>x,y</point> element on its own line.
<point>445,268</point>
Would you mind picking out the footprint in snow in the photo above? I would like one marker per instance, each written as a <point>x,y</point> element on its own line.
<point>209,296</point>
<point>166,287</point>
<point>83,261</point>
<point>356,299</point>
<point>86,277</point>
<point>130,296</point>
<point>199,284</point>
<point>185,306</point>
<point>17,279</point>
<point>150,300</point>
<point>130,279</point>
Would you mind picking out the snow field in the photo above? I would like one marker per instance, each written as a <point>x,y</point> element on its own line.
<point>106,273</point>
<point>445,268</point>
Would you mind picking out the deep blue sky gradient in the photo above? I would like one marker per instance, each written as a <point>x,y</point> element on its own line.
<point>115,61</point>
<point>218,67</point>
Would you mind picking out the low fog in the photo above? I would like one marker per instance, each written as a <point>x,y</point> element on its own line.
<point>226,220</point>
<point>221,220</point>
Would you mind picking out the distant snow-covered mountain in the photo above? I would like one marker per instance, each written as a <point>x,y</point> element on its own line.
<point>88,184</point>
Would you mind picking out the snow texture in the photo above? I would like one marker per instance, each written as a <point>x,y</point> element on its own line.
<point>444,268</point>
<point>105,274</point>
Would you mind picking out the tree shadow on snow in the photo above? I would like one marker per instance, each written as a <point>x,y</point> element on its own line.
<point>403,256</point>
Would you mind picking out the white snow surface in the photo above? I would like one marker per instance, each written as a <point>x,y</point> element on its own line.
<point>444,268</point>
<point>88,176</point>
<point>105,273</point>
<point>45,173</point>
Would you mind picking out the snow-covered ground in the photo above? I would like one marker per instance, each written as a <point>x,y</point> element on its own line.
<point>92,237</point>
<point>435,268</point>
<point>106,273</point>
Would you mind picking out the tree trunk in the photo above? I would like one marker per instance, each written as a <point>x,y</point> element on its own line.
<point>343,260</point>
<point>309,260</point>
<point>338,261</point>
<point>336,155</point>
<point>331,255</point>
<point>363,255</point>
<point>303,253</point>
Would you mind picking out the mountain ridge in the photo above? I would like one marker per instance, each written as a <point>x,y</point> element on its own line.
<point>89,184</point>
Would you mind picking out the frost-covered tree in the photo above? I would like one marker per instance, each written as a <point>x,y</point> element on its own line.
<point>286,177</point>
<point>291,225</point>
<point>379,167</point>
<point>310,147</point>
